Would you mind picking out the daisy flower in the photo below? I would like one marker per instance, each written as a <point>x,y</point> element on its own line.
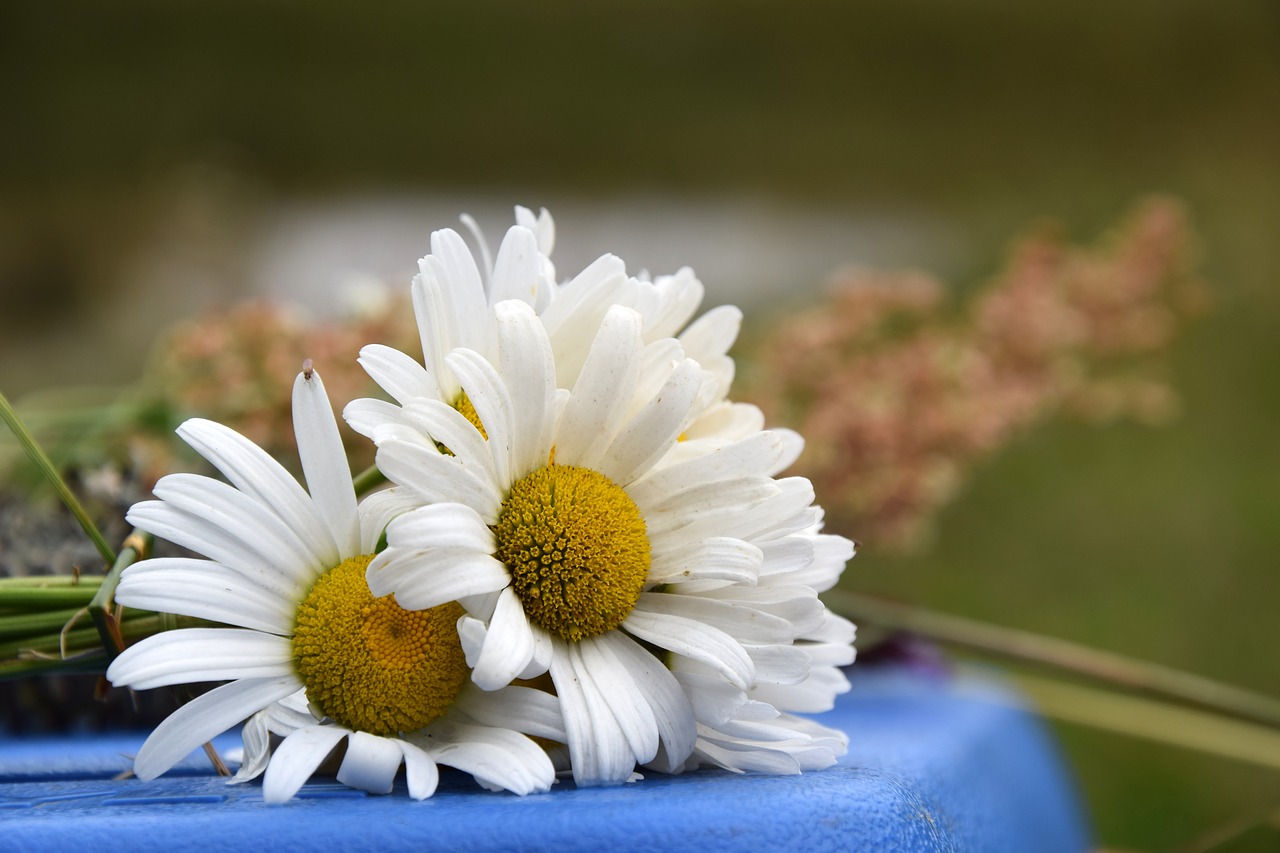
<point>287,569</point>
<point>577,546</point>
<point>453,294</point>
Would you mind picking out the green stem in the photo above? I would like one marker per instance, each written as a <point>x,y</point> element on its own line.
<point>90,663</point>
<point>23,595</point>
<point>33,655</point>
<point>48,582</point>
<point>1010,644</point>
<point>367,480</point>
<point>136,546</point>
<point>28,624</point>
<point>42,461</point>
<point>138,623</point>
<point>1149,719</point>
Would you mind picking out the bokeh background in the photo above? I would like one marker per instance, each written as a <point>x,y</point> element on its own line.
<point>158,159</point>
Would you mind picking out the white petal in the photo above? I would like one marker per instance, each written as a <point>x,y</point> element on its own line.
<point>830,554</point>
<point>529,371</point>
<point>702,509</point>
<point>215,519</point>
<point>573,317</point>
<point>602,392</point>
<point>672,712</point>
<point>828,654</point>
<point>324,461</point>
<point>448,426</point>
<point>785,558</point>
<point>205,717</point>
<point>815,695</point>
<point>598,749</point>
<point>375,419</point>
<point>437,478</point>
<point>371,763</point>
<point>190,655</point>
<point>481,605</point>
<point>726,421</point>
<point>378,510</point>
<point>397,373</point>
<point>421,579</point>
<point>659,358</point>
<point>516,269</point>
<point>492,401</point>
<point>834,629</point>
<point>291,713</point>
<point>740,621</point>
<point>630,708</point>
<point>676,298</point>
<point>542,226</point>
<point>696,640</point>
<point>716,558</point>
<point>420,771</point>
<point>779,664</point>
<point>236,512</point>
<point>740,758</point>
<point>797,605</point>
<point>471,634</point>
<point>442,525</point>
<point>508,647</point>
<point>757,455</point>
<point>713,333</point>
<point>759,521</point>
<point>205,590</point>
<point>256,750</point>
<point>462,290</point>
<point>296,758</point>
<point>543,648</point>
<point>251,470</point>
<point>653,431</point>
<point>497,758</point>
<point>437,327</point>
<point>521,709</point>
<point>486,259</point>
<point>714,700</point>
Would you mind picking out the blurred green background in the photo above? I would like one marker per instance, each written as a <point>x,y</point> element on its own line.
<point>186,126</point>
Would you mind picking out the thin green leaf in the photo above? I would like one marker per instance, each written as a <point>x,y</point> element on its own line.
<point>44,622</point>
<point>26,595</point>
<point>42,462</point>
<point>1048,652</point>
<point>1139,717</point>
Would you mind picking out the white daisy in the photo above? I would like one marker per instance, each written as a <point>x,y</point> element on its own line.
<point>452,294</point>
<point>287,568</point>
<point>577,539</point>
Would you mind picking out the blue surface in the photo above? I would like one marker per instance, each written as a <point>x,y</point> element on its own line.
<point>933,764</point>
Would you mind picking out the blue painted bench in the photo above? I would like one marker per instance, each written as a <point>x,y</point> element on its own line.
<point>934,763</point>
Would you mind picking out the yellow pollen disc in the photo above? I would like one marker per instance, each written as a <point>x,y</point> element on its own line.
<point>468,410</point>
<point>371,665</point>
<point>577,549</point>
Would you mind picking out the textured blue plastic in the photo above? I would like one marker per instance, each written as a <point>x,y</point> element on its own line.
<point>934,764</point>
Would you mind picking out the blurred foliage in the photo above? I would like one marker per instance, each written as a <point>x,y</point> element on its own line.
<point>899,395</point>
<point>1162,543</point>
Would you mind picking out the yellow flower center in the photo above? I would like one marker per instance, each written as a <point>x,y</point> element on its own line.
<point>371,665</point>
<point>577,549</point>
<point>468,410</point>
